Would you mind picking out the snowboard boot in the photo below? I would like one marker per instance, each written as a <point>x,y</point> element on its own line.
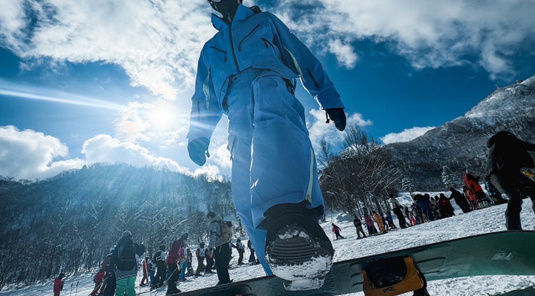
<point>297,249</point>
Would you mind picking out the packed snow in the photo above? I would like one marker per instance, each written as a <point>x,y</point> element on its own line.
<point>476,222</point>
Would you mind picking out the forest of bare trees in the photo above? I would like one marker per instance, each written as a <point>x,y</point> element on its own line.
<point>359,179</point>
<point>69,223</point>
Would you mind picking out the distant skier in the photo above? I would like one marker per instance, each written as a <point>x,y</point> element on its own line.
<point>248,71</point>
<point>369,224</point>
<point>446,210</point>
<point>200,253</point>
<point>507,156</point>
<point>358,226</point>
<point>336,230</point>
<point>397,209</point>
<point>58,284</point>
<point>175,259</point>
<point>460,200</point>
<point>241,250</point>
<point>220,243</point>
<point>252,257</point>
<point>159,259</point>
<point>389,221</point>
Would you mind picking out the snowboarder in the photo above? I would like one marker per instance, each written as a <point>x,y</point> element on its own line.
<point>358,226</point>
<point>175,258</point>
<point>248,71</point>
<point>221,248</point>
<point>200,253</point>
<point>124,263</point>
<point>507,156</point>
<point>336,230</point>
<point>58,284</point>
<point>159,260</point>
<point>241,250</point>
<point>460,200</point>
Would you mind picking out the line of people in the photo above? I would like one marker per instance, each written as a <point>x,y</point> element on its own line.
<point>118,272</point>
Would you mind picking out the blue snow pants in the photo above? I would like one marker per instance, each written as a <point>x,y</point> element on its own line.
<point>272,158</point>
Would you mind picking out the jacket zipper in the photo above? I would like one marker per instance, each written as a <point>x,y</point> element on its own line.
<point>313,79</point>
<point>232,48</point>
<point>247,36</point>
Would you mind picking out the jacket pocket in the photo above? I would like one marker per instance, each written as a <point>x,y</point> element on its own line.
<point>224,52</point>
<point>247,36</point>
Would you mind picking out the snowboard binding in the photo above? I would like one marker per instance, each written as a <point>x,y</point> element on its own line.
<point>393,276</point>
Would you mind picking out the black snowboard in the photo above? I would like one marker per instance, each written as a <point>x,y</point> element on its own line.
<point>499,253</point>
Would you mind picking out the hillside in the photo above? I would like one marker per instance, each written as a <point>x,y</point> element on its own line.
<point>461,143</point>
<point>70,221</point>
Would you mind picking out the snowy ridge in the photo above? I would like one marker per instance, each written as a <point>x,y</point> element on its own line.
<point>461,143</point>
<point>462,225</point>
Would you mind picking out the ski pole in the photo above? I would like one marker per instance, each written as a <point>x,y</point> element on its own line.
<point>70,293</point>
<point>76,291</point>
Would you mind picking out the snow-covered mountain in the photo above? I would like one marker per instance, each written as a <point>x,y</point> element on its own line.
<point>461,143</point>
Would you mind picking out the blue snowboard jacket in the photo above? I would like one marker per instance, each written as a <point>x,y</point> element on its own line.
<point>258,41</point>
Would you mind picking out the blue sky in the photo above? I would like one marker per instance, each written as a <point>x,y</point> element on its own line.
<point>110,81</point>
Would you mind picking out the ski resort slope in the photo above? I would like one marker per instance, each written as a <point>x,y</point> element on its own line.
<point>476,222</point>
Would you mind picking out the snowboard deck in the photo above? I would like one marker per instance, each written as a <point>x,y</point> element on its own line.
<point>498,253</point>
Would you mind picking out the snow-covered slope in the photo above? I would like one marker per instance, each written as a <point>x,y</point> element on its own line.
<point>461,225</point>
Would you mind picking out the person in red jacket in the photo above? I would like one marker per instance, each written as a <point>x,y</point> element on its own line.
<point>58,284</point>
<point>175,257</point>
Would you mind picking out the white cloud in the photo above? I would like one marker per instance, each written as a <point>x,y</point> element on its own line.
<point>427,33</point>
<point>29,155</point>
<point>33,155</point>
<point>156,42</point>
<point>406,135</point>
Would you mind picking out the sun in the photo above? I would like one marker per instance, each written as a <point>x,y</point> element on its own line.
<point>163,117</point>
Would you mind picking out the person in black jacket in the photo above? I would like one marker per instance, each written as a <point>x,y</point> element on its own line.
<point>507,156</point>
<point>460,200</point>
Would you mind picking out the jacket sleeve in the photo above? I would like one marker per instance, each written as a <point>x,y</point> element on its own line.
<point>300,60</point>
<point>205,110</point>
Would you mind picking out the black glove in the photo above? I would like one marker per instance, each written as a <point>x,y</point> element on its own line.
<point>338,116</point>
<point>198,150</point>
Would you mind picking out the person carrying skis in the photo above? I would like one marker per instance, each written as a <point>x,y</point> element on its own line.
<point>58,284</point>
<point>358,226</point>
<point>123,262</point>
<point>248,71</point>
<point>507,156</point>
<point>200,253</point>
<point>175,258</point>
<point>159,259</point>
<point>460,200</point>
<point>221,248</point>
<point>336,230</point>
